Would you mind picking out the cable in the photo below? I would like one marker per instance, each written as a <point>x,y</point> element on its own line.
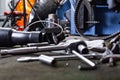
<point>47,22</point>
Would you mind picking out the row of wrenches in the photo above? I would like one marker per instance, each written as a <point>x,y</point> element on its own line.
<point>77,49</point>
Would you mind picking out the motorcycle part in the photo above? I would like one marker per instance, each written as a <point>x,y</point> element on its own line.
<point>10,37</point>
<point>80,20</point>
<point>84,16</point>
<point>57,37</point>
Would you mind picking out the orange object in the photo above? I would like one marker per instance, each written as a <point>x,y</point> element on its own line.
<point>20,8</point>
<point>15,13</point>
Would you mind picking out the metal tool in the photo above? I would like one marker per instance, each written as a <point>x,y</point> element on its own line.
<point>52,59</point>
<point>108,54</point>
<point>86,67</point>
<point>73,45</point>
<point>38,44</point>
<point>26,59</point>
<point>83,58</point>
<point>113,50</point>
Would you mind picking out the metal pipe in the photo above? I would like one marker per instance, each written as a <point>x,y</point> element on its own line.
<point>84,59</point>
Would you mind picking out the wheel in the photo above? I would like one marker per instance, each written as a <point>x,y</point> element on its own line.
<point>84,19</point>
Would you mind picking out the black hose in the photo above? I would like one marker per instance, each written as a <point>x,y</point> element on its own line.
<point>9,37</point>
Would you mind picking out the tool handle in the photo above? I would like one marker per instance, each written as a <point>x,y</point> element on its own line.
<point>84,58</point>
<point>28,50</point>
<point>26,59</point>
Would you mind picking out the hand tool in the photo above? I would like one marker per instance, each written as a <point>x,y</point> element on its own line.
<point>71,44</point>
<point>52,59</point>
<point>84,58</point>
<point>38,44</point>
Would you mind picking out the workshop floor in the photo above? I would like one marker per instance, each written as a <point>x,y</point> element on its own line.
<point>10,69</point>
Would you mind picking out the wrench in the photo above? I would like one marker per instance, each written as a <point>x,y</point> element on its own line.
<point>75,44</point>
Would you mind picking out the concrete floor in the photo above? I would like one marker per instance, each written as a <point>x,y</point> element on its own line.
<point>10,69</point>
